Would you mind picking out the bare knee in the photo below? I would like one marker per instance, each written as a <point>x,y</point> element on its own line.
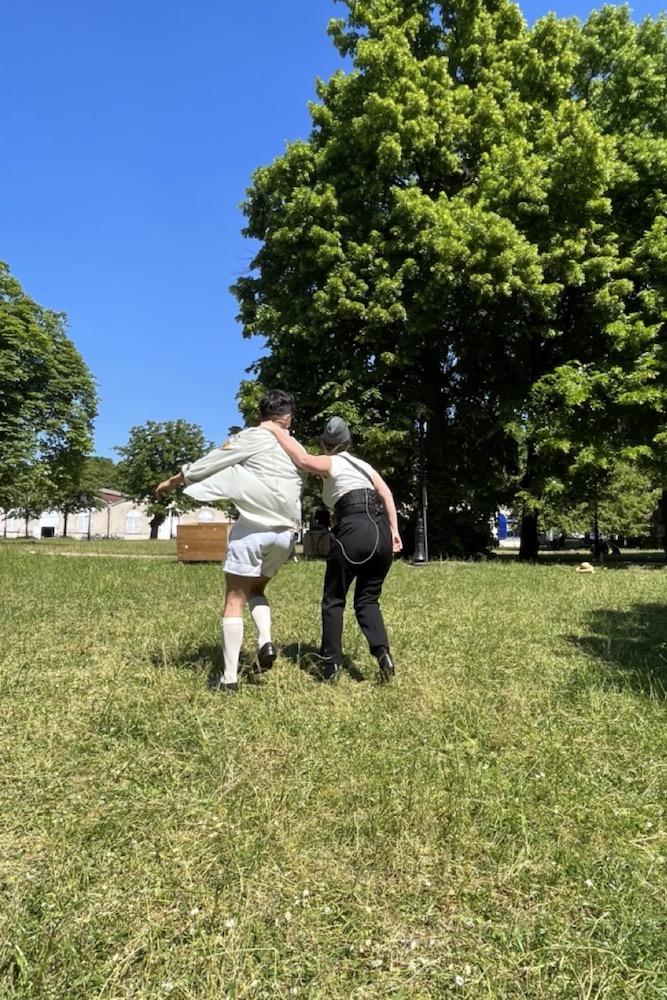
<point>235,602</point>
<point>239,590</point>
<point>236,595</point>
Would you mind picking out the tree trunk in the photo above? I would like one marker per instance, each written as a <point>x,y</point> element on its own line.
<point>155,524</point>
<point>65,516</point>
<point>529,547</point>
<point>421,539</point>
<point>597,547</point>
<point>27,520</point>
<point>663,520</point>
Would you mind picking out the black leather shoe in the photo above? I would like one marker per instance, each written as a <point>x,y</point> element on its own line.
<point>386,664</point>
<point>266,657</point>
<point>216,683</point>
<point>330,672</point>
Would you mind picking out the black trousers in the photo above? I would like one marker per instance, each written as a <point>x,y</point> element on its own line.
<point>354,539</point>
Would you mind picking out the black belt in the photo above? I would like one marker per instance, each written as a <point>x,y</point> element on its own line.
<point>357,502</point>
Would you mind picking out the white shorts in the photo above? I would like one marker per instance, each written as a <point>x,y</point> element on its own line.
<point>257,553</point>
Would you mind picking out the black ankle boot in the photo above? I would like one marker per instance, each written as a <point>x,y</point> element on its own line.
<point>386,664</point>
<point>330,672</point>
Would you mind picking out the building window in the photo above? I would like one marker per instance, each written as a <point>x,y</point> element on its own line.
<point>133,523</point>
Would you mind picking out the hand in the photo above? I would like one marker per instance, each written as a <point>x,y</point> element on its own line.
<point>168,486</point>
<point>396,543</point>
<point>164,488</point>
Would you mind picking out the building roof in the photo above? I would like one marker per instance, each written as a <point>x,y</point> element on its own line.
<point>111,496</point>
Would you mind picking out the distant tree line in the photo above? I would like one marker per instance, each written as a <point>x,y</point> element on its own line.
<point>475,234</point>
<point>48,402</point>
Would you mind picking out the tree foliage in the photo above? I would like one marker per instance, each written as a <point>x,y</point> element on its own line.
<point>622,502</point>
<point>456,239</point>
<point>31,491</point>
<point>47,395</point>
<point>79,485</point>
<point>609,410</point>
<point>154,450</point>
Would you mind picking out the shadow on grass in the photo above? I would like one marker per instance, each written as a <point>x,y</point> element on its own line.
<point>206,659</point>
<point>652,559</point>
<point>307,657</point>
<point>632,646</point>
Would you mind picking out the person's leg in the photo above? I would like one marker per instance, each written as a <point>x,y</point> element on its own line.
<point>370,578</point>
<point>337,580</point>
<point>260,611</point>
<point>367,605</point>
<point>246,578</point>
<point>236,596</point>
<point>274,550</point>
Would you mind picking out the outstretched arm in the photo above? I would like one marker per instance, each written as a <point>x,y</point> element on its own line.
<point>168,486</point>
<point>320,465</point>
<point>388,500</point>
<point>229,453</point>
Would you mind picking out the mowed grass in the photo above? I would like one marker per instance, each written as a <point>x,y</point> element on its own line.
<point>94,546</point>
<point>491,825</point>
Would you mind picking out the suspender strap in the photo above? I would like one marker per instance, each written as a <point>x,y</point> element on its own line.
<point>358,468</point>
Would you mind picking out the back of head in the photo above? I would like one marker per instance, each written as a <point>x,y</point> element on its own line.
<point>336,436</point>
<point>276,403</point>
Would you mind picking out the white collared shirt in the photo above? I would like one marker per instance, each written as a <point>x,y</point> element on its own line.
<point>253,471</point>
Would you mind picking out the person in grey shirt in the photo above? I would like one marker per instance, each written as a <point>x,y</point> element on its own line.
<point>254,472</point>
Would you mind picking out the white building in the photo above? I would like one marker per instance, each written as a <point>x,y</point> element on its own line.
<point>118,517</point>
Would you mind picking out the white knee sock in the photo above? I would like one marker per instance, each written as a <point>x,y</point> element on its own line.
<point>260,610</point>
<point>232,640</point>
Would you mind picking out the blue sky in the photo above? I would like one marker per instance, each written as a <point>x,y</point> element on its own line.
<point>131,129</point>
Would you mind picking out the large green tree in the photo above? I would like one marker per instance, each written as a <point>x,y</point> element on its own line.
<point>31,491</point>
<point>47,395</point>
<point>627,66</point>
<point>153,452</point>
<point>441,244</point>
<point>650,260</point>
<point>77,485</point>
<point>617,500</point>
<point>592,411</point>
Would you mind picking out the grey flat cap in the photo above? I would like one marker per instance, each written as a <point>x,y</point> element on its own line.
<point>336,432</point>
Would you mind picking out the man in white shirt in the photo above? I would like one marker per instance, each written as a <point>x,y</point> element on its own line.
<point>253,471</point>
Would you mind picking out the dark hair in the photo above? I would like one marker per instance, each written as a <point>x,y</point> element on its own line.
<point>335,449</point>
<point>276,403</point>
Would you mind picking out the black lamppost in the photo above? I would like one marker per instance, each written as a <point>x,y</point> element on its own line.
<point>420,557</point>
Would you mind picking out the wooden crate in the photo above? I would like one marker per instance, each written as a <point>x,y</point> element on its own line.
<point>202,542</point>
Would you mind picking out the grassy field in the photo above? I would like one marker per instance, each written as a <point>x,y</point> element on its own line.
<point>102,546</point>
<point>490,826</point>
